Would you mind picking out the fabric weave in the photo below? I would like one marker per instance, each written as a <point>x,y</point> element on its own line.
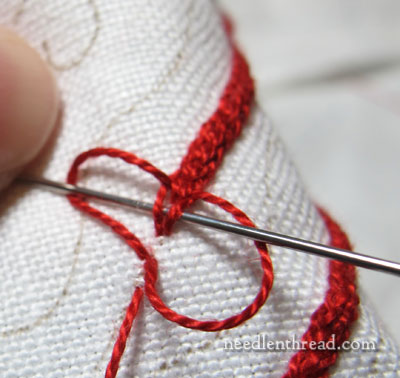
<point>143,76</point>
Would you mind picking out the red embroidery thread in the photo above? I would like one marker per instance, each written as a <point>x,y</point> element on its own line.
<point>150,262</point>
<point>186,185</point>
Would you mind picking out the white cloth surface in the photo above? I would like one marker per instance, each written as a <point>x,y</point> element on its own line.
<point>142,76</point>
<point>328,76</point>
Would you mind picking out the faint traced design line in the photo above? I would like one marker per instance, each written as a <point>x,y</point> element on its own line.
<point>161,81</point>
<point>76,62</point>
<point>64,292</point>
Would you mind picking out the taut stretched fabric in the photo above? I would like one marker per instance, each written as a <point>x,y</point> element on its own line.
<point>143,77</point>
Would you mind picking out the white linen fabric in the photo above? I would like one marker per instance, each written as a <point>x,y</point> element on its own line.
<point>328,74</point>
<point>142,76</point>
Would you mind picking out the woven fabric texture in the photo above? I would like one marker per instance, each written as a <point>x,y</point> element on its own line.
<point>142,77</point>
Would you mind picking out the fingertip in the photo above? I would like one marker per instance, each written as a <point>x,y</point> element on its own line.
<point>29,103</point>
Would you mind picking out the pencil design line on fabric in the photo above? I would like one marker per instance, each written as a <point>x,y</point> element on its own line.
<point>269,237</point>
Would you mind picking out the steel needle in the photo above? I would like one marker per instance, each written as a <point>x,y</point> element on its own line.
<point>269,237</point>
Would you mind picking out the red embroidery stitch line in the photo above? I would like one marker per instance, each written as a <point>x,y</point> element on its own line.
<point>206,152</point>
<point>333,317</point>
<point>186,185</point>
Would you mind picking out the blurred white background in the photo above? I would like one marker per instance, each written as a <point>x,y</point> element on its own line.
<point>328,75</point>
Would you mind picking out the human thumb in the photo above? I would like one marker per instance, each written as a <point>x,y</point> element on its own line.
<point>28,104</point>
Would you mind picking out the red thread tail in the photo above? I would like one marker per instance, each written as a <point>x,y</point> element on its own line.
<point>124,331</point>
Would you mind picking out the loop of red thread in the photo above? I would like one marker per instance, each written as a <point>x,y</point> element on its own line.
<point>151,272</point>
<point>333,317</point>
<point>233,321</point>
<point>150,262</point>
<point>128,157</point>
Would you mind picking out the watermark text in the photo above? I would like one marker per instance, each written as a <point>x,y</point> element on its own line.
<point>262,343</point>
